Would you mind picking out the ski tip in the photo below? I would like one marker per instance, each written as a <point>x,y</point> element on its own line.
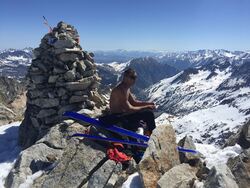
<point>180,149</point>
<point>67,113</point>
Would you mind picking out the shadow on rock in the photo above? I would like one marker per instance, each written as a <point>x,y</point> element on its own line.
<point>8,145</point>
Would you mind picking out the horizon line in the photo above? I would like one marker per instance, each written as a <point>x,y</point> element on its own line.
<point>139,50</point>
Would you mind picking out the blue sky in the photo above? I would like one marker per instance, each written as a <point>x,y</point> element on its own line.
<point>171,25</point>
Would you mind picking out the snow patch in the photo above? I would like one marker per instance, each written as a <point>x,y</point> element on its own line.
<point>211,121</point>
<point>133,181</point>
<point>119,67</point>
<point>157,90</point>
<point>215,156</point>
<point>9,149</point>
<point>30,179</point>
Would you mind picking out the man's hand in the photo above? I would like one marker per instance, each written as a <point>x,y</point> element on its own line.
<point>151,106</point>
<point>151,103</point>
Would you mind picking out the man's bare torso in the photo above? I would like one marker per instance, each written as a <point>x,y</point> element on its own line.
<point>118,95</point>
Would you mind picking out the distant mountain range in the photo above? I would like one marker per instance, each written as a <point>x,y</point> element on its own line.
<point>14,63</point>
<point>121,56</point>
<point>211,100</point>
<point>183,60</point>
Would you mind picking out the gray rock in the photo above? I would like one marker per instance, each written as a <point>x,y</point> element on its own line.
<point>181,176</point>
<point>68,122</point>
<point>53,78</point>
<point>80,93</point>
<point>34,122</point>
<point>97,98</point>
<point>90,104</point>
<point>115,179</point>
<point>202,172</point>
<point>73,66</point>
<point>34,70</point>
<point>61,91</point>
<point>81,66</point>
<point>40,65</point>
<point>101,176</point>
<point>64,43</point>
<point>160,156</point>
<point>68,50</point>
<point>62,25</point>
<point>87,112</point>
<point>88,73</point>
<point>36,52</point>
<point>39,79</point>
<point>45,113</point>
<point>89,64</point>
<point>244,140</point>
<point>34,94</point>
<point>65,57</point>
<point>58,70</point>
<point>51,95</point>
<point>56,137</point>
<point>29,162</point>
<point>76,98</point>
<point>95,85</point>
<point>52,119</point>
<point>77,127</point>
<point>75,168</point>
<point>28,132</point>
<point>242,137</point>
<point>192,159</point>
<point>91,54</point>
<point>77,86</point>
<point>66,108</point>
<point>70,75</point>
<point>220,176</point>
<point>45,103</point>
<point>5,118</point>
<point>240,167</point>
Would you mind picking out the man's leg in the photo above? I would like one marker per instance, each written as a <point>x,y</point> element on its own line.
<point>145,115</point>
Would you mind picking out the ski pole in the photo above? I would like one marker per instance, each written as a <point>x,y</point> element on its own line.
<point>47,24</point>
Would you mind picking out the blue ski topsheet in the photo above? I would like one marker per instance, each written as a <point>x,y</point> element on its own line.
<point>180,149</point>
<point>186,150</point>
<point>110,139</point>
<point>112,128</point>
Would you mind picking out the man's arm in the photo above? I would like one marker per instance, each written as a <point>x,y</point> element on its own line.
<point>135,102</point>
<point>125,103</point>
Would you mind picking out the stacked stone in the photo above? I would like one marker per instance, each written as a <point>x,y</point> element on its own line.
<point>62,77</point>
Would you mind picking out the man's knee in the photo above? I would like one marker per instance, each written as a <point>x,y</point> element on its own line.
<point>148,113</point>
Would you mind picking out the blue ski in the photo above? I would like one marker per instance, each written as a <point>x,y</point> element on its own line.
<point>109,139</point>
<point>116,129</point>
<point>112,128</point>
<point>180,149</point>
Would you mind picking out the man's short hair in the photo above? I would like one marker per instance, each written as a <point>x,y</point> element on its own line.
<point>129,71</point>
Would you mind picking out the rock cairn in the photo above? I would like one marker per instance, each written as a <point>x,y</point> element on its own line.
<point>61,77</point>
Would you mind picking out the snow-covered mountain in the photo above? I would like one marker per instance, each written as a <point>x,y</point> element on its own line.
<point>183,60</point>
<point>13,63</point>
<point>148,69</point>
<point>211,100</point>
<point>121,55</point>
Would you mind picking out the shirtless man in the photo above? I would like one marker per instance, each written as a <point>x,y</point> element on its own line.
<point>126,109</point>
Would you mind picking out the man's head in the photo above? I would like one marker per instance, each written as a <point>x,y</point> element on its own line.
<point>129,76</point>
